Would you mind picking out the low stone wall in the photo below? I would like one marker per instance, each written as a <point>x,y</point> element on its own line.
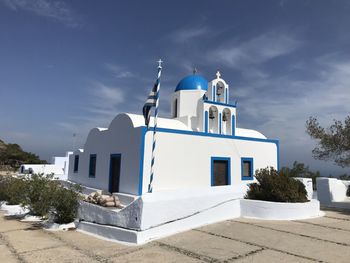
<point>331,192</point>
<point>280,211</point>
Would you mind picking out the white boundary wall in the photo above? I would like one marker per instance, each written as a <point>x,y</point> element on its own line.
<point>157,215</point>
<point>280,211</point>
<point>331,190</point>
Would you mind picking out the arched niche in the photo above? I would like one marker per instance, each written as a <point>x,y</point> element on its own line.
<point>220,92</point>
<point>213,120</point>
<point>226,122</point>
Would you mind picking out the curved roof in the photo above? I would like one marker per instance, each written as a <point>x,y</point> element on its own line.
<point>192,82</point>
<point>138,120</point>
<point>249,133</point>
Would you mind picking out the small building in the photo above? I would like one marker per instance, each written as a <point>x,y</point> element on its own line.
<point>59,166</point>
<point>199,146</point>
<point>203,163</point>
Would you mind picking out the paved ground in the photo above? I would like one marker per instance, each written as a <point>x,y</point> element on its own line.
<point>324,239</point>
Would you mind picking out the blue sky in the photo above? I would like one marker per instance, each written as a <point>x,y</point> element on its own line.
<point>66,67</point>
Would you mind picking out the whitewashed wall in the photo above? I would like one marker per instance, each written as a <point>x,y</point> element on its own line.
<point>184,161</point>
<point>119,138</point>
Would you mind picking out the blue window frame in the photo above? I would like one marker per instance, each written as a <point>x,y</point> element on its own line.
<point>220,171</point>
<point>76,163</point>
<point>92,165</point>
<point>247,168</point>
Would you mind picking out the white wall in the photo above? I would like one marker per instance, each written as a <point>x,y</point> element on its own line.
<point>184,161</point>
<point>187,102</point>
<point>331,190</point>
<point>42,168</point>
<point>120,138</point>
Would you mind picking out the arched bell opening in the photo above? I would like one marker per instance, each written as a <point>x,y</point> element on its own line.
<point>226,122</point>
<point>220,92</point>
<point>213,120</point>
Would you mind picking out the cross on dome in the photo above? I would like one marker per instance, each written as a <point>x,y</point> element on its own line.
<point>218,75</point>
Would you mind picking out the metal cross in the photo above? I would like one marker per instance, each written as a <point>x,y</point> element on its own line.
<point>194,71</point>
<point>218,75</point>
<point>160,63</point>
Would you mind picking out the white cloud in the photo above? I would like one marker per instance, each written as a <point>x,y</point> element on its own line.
<point>118,71</point>
<point>254,51</point>
<point>280,105</point>
<point>106,97</point>
<point>56,10</point>
<point>187,34</point>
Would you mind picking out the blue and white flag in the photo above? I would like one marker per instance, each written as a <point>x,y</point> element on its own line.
<point>153,98</point>
<point>150,102</point>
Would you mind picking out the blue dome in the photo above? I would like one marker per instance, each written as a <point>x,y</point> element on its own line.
<point>192,82</point>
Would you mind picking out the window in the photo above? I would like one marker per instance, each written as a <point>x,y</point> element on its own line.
<point>247,168</point>
<point>220,171</point>
<point>76,163</point>
<point>92,165</point>
<point>175,108</point>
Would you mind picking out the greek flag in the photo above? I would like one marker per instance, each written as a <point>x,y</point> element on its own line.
<point>153,98</point>
<point>150,102</point>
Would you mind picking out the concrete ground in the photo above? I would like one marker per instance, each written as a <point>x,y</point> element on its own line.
<point>325,239</point>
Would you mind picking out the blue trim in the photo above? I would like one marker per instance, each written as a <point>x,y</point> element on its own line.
<point>206,117</point>
<point>233,125</point>
<point>220,123</point>
<point>251,164</point>
<point>142,157</point>
<point>92,174</point>
<point>227,95</point>
<point>194,133</point>
<point>212,159</point>
<point>110,170</point>
<point>220,103</point>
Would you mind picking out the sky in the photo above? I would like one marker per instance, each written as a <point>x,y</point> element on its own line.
<point>69,66</point>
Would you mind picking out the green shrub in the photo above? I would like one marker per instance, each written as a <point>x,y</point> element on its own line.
<point>3,188</point>
<point>40,194</point>
<point>65,204</point>
<point>12,190</point>
<point>276,187</point>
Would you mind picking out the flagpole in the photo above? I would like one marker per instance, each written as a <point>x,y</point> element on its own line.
<point>150,185</point>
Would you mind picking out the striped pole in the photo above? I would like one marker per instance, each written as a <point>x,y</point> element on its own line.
<point>150,186</point>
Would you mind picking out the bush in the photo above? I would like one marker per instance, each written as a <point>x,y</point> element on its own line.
<point>40,194</point>
<point>276,187</point>
<point>65,204</point>
<point>300,170</point>
<point>12,190</point>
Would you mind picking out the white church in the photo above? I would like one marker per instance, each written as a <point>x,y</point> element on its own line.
<point>203,163</point>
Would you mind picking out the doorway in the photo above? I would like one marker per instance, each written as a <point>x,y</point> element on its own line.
<point>114,173</point>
